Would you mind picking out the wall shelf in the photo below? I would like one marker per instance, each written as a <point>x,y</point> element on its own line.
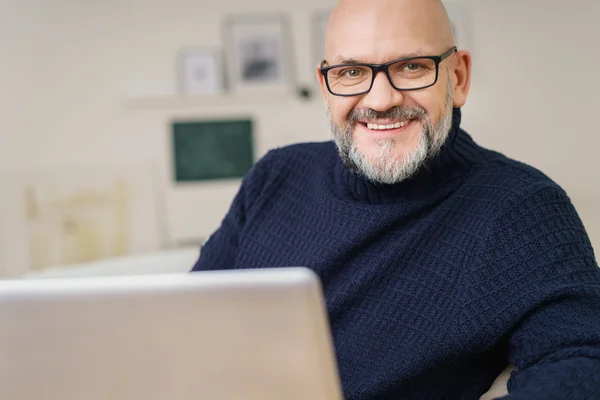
<point>218,100</point>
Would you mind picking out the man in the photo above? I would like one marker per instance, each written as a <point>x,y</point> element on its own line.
<point>442,262</point>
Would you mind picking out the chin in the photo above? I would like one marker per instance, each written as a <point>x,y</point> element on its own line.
<point>389,161</point>
<point>386,150</point>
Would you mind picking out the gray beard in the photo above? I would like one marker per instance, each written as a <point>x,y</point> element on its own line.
<point>383,168</point>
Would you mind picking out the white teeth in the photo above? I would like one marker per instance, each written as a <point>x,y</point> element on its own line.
<point>390,126</point>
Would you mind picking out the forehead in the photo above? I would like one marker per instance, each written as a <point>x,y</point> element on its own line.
<point>379,35</point>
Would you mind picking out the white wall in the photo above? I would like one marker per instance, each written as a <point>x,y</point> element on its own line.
<point>93,82</point>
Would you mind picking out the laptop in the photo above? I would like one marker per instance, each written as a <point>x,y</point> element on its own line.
<point>244,334</point>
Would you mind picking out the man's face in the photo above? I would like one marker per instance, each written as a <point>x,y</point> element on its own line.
<point>379,35</point>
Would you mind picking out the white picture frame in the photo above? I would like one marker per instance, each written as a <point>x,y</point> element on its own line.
<point>200,72</point>
<point>259,53</point>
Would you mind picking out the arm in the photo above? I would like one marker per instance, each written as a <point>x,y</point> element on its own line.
<point>542,294</point>
<point>219,252</point>
<point>557,348</point>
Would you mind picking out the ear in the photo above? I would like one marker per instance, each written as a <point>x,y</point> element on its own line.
<point>322,83</point>
<point>461,76</point>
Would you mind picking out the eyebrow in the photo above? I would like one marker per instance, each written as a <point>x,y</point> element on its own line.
<point>341,60</point>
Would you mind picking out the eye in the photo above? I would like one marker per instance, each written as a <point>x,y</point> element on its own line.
<point>351,73</point>
<point>412,67</point>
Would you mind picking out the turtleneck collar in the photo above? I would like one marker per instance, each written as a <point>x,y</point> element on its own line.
<point>438,176</point>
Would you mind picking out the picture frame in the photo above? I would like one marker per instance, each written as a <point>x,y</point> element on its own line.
<point>200,71</point>
<point>259,52</point>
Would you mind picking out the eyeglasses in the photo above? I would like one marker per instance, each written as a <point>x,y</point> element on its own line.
<point>412,73</point>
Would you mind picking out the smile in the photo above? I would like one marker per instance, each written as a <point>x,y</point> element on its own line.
<point>397,125</point>
<point>387,128</point>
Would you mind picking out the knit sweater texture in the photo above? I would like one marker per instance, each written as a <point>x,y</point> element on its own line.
<point>433,285</point>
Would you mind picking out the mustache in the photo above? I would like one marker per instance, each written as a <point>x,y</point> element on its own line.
<point>397,112</point>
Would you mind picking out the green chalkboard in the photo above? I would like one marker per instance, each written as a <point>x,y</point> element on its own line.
<point>210,150</point>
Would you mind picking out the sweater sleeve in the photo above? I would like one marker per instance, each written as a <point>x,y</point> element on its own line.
<point>541,293</point>
<point>219,251</point>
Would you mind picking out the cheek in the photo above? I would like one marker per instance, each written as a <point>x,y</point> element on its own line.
<point>433,101</point>
<point>340,107</point>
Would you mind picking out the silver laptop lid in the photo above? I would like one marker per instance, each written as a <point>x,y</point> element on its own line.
<point>253,334</point>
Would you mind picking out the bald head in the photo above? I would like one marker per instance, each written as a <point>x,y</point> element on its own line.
<point>364,118</point>
<point>408,26</point>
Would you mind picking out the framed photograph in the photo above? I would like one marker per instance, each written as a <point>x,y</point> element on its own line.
<point>259,52</point>
<point>200,71</point>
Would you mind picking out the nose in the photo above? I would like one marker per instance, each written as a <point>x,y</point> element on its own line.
<point>382,95</point>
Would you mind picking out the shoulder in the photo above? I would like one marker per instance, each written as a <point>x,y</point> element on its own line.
<point>506,182</point>
<point>512,199</point>
<point>531,233</point>
<point>522,204</point>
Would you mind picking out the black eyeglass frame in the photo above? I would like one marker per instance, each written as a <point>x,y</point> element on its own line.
<point>376,68</point>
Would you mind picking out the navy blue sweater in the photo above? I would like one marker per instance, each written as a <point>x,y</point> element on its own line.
<point>436,284</point>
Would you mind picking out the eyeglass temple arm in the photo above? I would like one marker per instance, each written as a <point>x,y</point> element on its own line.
<point>448,53</point>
